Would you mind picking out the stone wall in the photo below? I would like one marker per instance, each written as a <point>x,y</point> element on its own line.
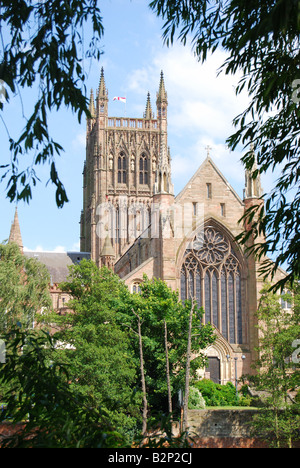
<point>222,428</point>
<point>221,422</point>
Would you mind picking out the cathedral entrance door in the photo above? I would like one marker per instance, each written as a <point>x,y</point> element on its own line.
<point>214,369</point>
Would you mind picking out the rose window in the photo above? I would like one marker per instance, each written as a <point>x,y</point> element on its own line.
<point>211,273</point>
<point>211,247</point>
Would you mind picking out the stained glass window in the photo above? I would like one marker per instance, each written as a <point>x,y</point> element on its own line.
<point>211,273</point>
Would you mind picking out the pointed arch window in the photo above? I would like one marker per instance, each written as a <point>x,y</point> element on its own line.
<point>122,169</point>
<point>143,169</point>
<point>211,273</point>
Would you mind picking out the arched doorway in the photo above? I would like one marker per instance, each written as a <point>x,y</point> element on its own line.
<point>213,369</point>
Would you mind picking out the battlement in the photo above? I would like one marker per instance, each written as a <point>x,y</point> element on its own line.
<point>131,123</point>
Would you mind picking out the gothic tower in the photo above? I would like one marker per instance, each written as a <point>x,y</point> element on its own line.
<point>127,162</point>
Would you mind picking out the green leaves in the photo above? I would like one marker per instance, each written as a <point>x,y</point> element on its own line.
<point>101,363</point>
<point>276,373</point>
<point>158,305</point>
<point>44,51</point>
<point>39,395</point>
<point>23,288</point>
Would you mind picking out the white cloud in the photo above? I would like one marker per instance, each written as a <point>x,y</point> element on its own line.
<point>76,247</point>
<point>59,249</point>
<point>79,140</point>
<point>39,248</point>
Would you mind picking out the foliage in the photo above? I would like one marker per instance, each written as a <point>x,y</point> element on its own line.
<point>157,304</point>
<point>42,47</point>
<point>261,39</point>
<point>40,396</point>
<point>276,373</point>
<point>196,400</point>
<point>162,435</point>
<point>101,365</point>
<point>280,430</point>
<point>216,394</point>
<point>23,288</point>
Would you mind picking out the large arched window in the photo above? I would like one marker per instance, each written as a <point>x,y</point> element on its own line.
<point>211,273</point>
<point>143,169</point>
<point>122,168</point>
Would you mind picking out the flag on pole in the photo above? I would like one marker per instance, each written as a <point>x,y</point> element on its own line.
<point>122,99</point>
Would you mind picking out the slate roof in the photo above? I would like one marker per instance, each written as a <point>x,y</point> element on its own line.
<point>57,263</point>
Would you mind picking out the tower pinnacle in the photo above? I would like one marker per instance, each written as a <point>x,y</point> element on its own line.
<point>102,98</point>
<point>148,111</point>
<point>92,104</point>
<point>253,188</point>
<point>162,94</point>
<point>102,92</point>
<point>15,232</point>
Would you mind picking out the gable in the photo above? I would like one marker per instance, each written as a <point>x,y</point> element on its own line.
<point>207,172</point>
<point>212,196</point>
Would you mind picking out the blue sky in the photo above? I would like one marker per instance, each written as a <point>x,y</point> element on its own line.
<point>201,109</point>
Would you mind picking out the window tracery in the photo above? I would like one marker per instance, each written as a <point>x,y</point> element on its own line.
<point>211,273</point>
<point>143,170</point>
<point>122,169</point>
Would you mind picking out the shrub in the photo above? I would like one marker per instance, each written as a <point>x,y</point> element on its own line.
<point>196,400</point>
<point>216,394</point>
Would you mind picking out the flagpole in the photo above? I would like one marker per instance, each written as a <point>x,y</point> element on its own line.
<point>125,104</point>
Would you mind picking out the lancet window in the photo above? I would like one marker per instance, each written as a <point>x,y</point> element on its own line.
<point>143,169</point>
<point>211,273</point>
<point>122,168</point>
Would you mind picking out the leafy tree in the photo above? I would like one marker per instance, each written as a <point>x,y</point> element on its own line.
<point>48,412</point>
<point>94,346</point>
<point>216,394</point>
<point>261,39</point>
<point>277,373</point>
<point>42,47</point>
<point>161,311</point>
<point>40,401</point>
<point>24,284</point>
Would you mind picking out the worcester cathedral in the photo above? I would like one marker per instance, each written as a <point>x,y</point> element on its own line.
<point>133,223</point>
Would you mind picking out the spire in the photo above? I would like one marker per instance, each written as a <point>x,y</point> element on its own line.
<point>108,250</point>
<point>162,95</point>
<point>102,98</point>
<point>15,232</point>
<point>102,92</point>
<point>148,112</point>
<point>107,254</point>
<point>92,104</point>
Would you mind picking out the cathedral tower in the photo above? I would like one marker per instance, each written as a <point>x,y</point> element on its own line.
<point>127,162</point>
